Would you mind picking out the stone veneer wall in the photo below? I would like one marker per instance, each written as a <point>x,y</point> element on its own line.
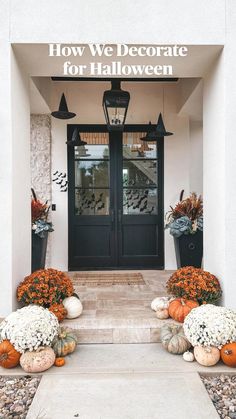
<point>40,162</point>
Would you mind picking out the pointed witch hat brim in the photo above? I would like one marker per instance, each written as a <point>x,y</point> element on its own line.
<point>160,128</point>
<point>76,139</point>
<point>63,112</point>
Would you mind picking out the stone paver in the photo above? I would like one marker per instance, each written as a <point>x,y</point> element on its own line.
<point>120,313</point>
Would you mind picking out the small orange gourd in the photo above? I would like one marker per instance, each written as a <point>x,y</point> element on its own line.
<point>180,307</point>
<point>228,354</point>
<point>9,357</point>
<point>59,362</point>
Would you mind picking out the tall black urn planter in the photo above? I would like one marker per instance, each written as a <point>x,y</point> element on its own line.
<point>39,249</point>
<point>189,250</point>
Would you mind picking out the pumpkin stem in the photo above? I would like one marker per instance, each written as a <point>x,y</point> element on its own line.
<point>62,335</point>
<point>182,302</point>
<point>228,351</point>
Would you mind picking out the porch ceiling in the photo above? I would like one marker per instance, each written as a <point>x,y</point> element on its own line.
<point>35,60</point>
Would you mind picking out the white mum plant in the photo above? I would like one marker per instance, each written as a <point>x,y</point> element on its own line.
<point>29,327</point>
<point>210,325</point>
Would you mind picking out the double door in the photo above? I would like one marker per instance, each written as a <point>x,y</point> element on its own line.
<point>115,200</point>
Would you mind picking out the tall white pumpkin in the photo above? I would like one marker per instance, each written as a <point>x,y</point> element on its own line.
<point>73,306</point>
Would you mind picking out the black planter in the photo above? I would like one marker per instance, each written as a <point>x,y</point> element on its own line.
<point>189,250</point>
<point>39,248</point>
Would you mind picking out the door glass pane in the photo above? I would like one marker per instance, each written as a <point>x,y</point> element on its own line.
<point>139,201</point>
<point>134,148</point>
<point>92,152</point>
<point>92,201</point>
<point>97,146</point>
<point>91,173</point>
<point>139,173</point>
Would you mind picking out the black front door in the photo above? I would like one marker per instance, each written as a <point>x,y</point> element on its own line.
<point>115,200</point>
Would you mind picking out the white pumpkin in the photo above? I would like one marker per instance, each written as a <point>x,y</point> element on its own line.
<point>162,313</point>
<point>207,355</point>
<point>188,356</point>
<point>37,361</point>
<point>73,306</point>
<point>160,303</point>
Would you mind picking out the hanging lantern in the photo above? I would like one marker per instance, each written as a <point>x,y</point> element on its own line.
<point>115,104</point>
<point>76,139</point>
<point>63,112</point>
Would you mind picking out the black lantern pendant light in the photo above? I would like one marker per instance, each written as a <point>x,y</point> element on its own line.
<point>115,104</point>
<point>63,112</point>
<point>76,139</point>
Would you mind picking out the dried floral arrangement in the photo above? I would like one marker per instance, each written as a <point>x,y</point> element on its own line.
<point>186,217</point>
<point>39,216</point>
<point>45,287</point>
<point>194,284</point>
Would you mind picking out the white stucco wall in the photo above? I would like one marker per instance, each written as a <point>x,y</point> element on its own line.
<point>20,182</point>
<point>214,170</point>
<point>6,295</point>
<point>196,157</point>
<point>134,21</point>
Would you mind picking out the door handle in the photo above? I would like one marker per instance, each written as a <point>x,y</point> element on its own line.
<point>112,217</point>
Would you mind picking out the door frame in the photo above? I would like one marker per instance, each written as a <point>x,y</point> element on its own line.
<point>161,237</point>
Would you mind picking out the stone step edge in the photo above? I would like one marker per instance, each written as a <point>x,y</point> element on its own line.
<point>118,335</point>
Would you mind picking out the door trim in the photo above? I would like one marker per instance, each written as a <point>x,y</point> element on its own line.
<point>128,128</point>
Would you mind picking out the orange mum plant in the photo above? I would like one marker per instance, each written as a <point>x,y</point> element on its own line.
<point>45,287</point>
<point>194,284</point>
<point>59,311</point>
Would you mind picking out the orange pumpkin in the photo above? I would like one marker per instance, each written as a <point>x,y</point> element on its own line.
<point>228,354</point>
<point>9,357</point>
<point>180,307</point>
<point>59,362</point>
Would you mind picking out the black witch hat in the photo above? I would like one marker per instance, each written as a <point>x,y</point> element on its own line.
<point>63,112</point>
<point>160,128</point>
<point>151,134</point>
<point>158,132</point>
<point>76,139</point>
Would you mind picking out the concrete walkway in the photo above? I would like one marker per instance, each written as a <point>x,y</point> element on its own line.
<point>122,396</point>
<point>132,381</point>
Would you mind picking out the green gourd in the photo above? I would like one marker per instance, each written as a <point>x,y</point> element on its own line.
<point>65,342</point>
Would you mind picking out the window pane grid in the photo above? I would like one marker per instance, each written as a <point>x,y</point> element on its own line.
<point>140,177</point>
